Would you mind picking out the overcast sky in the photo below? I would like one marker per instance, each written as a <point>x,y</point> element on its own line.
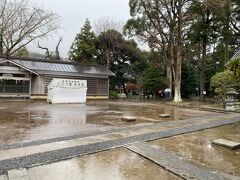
<point>73,14</point>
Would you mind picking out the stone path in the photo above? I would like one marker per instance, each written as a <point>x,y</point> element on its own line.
<point>174,163</point>
<point>27,155</point>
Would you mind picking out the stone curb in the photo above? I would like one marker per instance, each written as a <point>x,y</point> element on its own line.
<point>173,163</point>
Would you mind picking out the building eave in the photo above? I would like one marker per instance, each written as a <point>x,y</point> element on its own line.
<point>19,65</point>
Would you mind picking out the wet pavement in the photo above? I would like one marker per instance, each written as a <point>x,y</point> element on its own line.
<point>106,140</point>
<point>76,141</point>
<point>117,164</point>
<point>197,147</point>
<point>175,164</point>
<point>28,156</point>
<point>22,121</point>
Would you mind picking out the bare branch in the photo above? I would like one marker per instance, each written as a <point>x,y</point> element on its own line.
<point>22,22</point>
<point>57,54</point>
<point>106,23</point>
<point>47,52</point>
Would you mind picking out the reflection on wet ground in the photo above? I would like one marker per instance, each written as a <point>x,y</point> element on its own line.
<point>117,164</point>
<point>28,121</point>
<point>197,147</point>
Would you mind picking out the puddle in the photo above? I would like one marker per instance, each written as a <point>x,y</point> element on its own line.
<point>117,164</point>
<point>197,147</point>
<point>29,121</point>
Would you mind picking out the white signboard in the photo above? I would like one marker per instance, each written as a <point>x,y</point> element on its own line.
<point>67,91</point>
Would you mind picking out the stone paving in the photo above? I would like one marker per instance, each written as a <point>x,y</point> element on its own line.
<point>116,164</point>
<point>24,121</point>
<point>174,163</point>
<point>168,124</point>
<point>29,155</point>
<point>198,148</point>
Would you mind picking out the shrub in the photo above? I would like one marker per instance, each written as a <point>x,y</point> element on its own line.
<point>234,65</point>
<point>221,82</point>
<point>113,95</point>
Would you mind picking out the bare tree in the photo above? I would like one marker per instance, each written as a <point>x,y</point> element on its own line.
<point>51,55</point>
<point>57,54</point>
<point>106,23</point>
<point>47,52</point>
<point>21,23</point>
<point>2,10</point>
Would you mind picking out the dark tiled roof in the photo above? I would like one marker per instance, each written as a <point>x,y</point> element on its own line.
<point>62,67</point>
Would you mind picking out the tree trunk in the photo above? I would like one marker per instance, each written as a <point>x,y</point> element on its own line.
<point>228,29</point>
<point>226,58</point>
<point>170,78</point>
<point>170,59</point>
<point>178,60</point>
<point>1,44</point>
<point>177,79</point>
<point>57,54</point>
<point>108,57</point>
<point>177,94</point>
<point>202,69</point>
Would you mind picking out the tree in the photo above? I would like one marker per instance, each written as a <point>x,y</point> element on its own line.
<point>201,32</point>
<point>139,67</point>
<point>103,24</point>
<point>22,22</point>
<point>189,80</point>
<point>51,55</point>
<point>161,24</point>
<point>234,66</point>
<point>108,43</point>
<point>228,26</point>
<point>154,80</point>
<point>119,55</point>
<point>235,17</point>
<point>22,52</point>
<point>221,82</point>
<point>83,48</point>
<point>213,31</point>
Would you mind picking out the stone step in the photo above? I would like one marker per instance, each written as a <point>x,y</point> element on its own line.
<point>164,115</point>
<point>129,118</point>
<point>226,143</point>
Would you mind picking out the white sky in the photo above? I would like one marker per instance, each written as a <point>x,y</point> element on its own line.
<point>73,14</point>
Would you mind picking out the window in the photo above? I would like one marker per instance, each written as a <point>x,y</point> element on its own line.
<point>14,87</point>
<point>102,87</point>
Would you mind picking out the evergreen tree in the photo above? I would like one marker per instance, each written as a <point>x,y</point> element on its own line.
<point>202,32</point>
<point>83,48</point>
<point>154,80</point>
<point>120,55</point>
<point>213,33</point>
<point>189,80</point>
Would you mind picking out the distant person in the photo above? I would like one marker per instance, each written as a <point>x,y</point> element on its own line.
<point>160,94</point>
<point>167,93</point>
